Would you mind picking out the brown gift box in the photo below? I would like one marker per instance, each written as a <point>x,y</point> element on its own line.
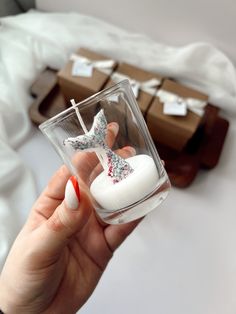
<point>79,87</point>
<point>134,73</point>
<point>174,131</point>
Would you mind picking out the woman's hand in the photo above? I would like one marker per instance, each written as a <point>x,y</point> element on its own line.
<point>61,252</point>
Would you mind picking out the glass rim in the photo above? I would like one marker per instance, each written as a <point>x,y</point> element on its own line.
<point>93,98</point>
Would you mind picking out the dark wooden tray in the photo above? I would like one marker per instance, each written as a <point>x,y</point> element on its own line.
<point>49,100</point>
<point>203,150</point>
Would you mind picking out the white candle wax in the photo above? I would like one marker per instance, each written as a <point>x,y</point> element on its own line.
<point>137,185</point>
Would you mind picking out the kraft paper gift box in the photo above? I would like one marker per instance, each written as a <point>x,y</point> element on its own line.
<point>85,74</point>
<point>144,83</point>
<point>184,109</point>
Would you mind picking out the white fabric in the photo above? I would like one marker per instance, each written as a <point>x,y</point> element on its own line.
<point>31,41</point>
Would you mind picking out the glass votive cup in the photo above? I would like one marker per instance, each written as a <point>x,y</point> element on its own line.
<point>122,188</point>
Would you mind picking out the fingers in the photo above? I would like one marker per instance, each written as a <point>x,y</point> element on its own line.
<point>112,131</point>
<point>126,152</point>
<point>56,186</point>
<point>53,194</point>
<point>68,218</point>
<point>116,234</point>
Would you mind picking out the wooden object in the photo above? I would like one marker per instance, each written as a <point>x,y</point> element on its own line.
<point>202,151</point>
<point>175,131</point>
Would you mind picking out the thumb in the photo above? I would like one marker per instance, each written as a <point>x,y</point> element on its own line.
<point>69,217</point>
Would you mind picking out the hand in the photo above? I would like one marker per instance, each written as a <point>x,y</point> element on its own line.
<point>61,252</point>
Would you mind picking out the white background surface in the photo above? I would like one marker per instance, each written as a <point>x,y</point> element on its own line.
<point>182,257</point>
<point>177,22</point>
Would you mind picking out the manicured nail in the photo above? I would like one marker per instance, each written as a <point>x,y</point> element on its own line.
<point>114,127</point>
<point>72,193</point>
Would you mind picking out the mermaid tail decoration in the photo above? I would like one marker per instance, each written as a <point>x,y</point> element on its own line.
<point>94,141</point>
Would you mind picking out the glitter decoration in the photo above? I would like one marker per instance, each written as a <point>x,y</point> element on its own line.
<point>115,166</point>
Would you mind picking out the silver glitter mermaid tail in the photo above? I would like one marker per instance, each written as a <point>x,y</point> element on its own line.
<point>94,141</point>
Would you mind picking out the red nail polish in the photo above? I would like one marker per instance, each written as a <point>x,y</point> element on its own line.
<point>72,193</point>
<point>76,186</point>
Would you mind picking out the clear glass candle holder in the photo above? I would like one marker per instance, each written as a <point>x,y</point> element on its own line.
<point>123,188</point>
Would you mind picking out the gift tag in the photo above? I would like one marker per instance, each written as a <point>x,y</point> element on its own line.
<point>82,69</point>
<point>135,88</point>
<point>175,108</point>
<point>113,98</point>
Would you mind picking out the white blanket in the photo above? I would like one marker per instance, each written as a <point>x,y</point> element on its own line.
<point>30,42</point>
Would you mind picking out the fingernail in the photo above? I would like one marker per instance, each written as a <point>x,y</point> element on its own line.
<point>114,127</point>
<point>131,150</point>
<point>72,193</point>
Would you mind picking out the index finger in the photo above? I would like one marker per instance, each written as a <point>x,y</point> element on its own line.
<point>53,194</point>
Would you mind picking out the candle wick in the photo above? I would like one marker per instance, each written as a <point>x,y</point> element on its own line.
<point>81,121</point>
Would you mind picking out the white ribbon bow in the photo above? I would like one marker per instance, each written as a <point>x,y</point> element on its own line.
<point>105,66</point>
<point>146,86</point>
<point>195,105</point>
